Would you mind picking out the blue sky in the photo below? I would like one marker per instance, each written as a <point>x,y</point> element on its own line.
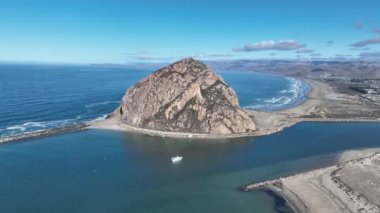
<point>122,31</point>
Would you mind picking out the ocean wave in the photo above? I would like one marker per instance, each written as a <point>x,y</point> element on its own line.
<point>294,94</point>
<point>24,126</point>
<point>101,103</point>
<point>103,117</point>
<point>296,86</point>
<point>34,126</point>
<point>271,104</point>
<point>279,100</point>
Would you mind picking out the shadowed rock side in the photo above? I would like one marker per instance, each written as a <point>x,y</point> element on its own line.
<point>184,97</point>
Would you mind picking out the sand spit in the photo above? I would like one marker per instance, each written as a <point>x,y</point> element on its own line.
<point>352,185</point>
<point>323,104</point>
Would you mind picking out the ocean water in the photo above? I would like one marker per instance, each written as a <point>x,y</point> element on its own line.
<point>37,97</point>
<point>109,171</point>
<point>266,92</point>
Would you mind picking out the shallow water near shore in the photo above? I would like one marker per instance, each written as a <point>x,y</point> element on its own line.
<point>110,171</point>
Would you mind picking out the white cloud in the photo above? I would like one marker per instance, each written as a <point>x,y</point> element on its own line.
<point>282,45</point>
<point>305,50</point>
<point>370,55</point>
<point>366,42</point>
<point>146,56</point>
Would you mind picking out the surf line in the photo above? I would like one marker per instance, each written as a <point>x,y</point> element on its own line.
<point>45,133</point>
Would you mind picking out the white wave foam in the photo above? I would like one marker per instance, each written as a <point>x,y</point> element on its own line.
<point>43,124</point>
<point>283,100</point>
<point>101,103</point>
<point>103,117</point>
<point>34,126</point>
<point>295,87</point>
<point>24,126</point>
<point>294,93</point>
<point>270,104</point>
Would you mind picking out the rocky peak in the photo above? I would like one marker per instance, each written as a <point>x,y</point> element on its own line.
<point>184,97</point>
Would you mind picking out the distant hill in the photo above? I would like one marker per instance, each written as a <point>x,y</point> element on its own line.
<point>313,69</point>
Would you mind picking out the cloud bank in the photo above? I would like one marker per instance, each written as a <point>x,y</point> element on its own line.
<point>366,42</point>
<point>282,45</point>
<point>315,55</point>
<point>370,55</point>
<point>212,55</point>
<point>146,56</point>
<point>305,50</point>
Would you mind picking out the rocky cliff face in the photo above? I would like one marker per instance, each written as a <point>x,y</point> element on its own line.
<point>184,97</point>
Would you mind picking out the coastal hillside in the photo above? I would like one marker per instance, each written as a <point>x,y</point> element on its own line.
<point>184,97</point>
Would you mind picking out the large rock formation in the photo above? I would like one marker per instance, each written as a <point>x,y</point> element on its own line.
<point>184,97</point>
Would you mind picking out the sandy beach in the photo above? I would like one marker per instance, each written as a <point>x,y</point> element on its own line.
<point>322,104</point>
<point>352,185</point>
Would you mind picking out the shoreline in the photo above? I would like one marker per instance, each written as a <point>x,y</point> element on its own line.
<point>314,108</point>
<point>334,188</point>
<point>304,90</point>
<point>155,133</point>
<point>267,123</point>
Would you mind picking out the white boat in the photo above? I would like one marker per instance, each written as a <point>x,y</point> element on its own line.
<point>176,159</point>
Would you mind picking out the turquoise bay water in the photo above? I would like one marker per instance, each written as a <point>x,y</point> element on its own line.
<point>109,171</point>
<point>36,97</point>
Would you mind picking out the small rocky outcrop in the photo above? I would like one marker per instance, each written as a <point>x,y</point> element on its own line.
<point>184,97</point>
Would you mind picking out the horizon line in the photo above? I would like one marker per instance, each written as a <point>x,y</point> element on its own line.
<point>27,62</point>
